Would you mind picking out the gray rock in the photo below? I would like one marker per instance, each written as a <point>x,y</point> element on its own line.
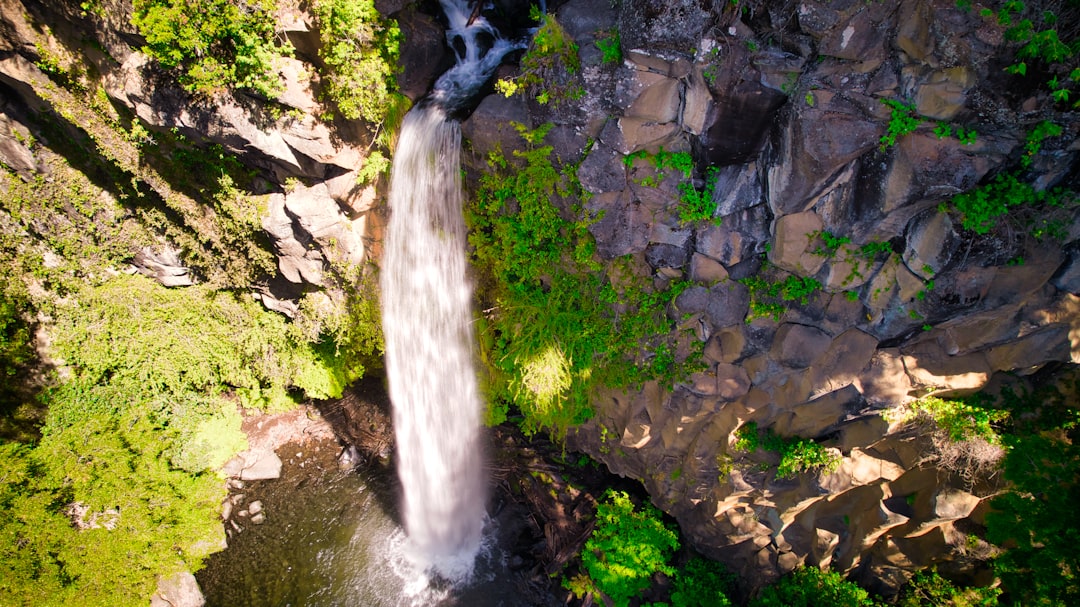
<point>179,590</point>
<point>602,170</point>
<point>624,227</point>
<point>737,187</point>
<point>931,244</point>
<point>163,266</point>
<point>254,465</point>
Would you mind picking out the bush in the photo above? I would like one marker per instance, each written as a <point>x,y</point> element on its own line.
<point>217,44</point>
<point>121,487</point>
<point>702,583</point>
<point>549,66</point>
<point>1036,522</point>
<point>928,589</point>
<point>627,547</point>
<point>360,50</point>
<point>983,207</point>
<point>812,587</point>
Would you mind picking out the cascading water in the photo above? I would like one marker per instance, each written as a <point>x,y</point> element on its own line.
<point>427,314</point>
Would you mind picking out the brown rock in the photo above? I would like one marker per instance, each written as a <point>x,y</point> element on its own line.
<point>796,346</point>
<point>885,383</point>
<point>791,245</point>
<point>845,359</point>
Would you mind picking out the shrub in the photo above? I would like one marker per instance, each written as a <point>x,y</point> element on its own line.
<point>1036,522</point>
<point>812,587</point>
<point>610,46</point>
<point>902,120</point>
<point>217,44</point>
<point>928,589</point>
<point>796,454</point>
<point>981,208</point>
<point>964,419</point>
<point>360,49</point>
<point>627,547</point>
<point>702,583</point>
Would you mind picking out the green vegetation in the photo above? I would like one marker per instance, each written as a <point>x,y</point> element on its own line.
<point>1036,521</point>
<point>967,136</point>
<point>694,204</point>
<point>702,583</point>
<point>963,419</point>
<point>559,324</point>
<point>121,487</point>
<point>360,50</point>
<point>1042,131</point>
<point>982,208</point>
<point>627,547</point>
<point>797,455</point>
<point>812,587</point>
<point>610,46</point>
<point>1033,31</point>
<point>215,44</point>
<point>902,120</point>
<point>928,589</point>
<point>769,298</point>
<point>548,67</point>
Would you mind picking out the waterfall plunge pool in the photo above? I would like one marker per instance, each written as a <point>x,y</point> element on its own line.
<point>333,538</point>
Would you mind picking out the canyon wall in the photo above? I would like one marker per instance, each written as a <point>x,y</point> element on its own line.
<point>785,101</point>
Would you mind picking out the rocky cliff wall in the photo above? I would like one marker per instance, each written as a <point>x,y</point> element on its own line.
<point>785,102</point>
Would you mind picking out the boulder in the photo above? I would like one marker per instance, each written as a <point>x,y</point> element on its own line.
<point>163,266</point>
<point>602,170</point>
<point>490,127</point>
<point>796,346</point>
<point>792,236</point>
<point>178,590</point>
<point>931,243</point>
<point>424,54</point>
<point>254,465</point>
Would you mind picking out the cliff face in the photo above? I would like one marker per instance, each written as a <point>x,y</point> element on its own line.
<point>785,101</point>
<point>780,105</point>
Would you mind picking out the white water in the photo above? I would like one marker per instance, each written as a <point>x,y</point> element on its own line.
<point>427,319</point>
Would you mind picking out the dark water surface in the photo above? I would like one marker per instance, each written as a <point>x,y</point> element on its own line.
<point>333,538</point>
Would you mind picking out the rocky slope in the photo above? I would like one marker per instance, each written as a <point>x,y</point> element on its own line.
<point>785,100</point>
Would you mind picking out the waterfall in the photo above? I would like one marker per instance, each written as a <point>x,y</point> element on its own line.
<point>427,315</point>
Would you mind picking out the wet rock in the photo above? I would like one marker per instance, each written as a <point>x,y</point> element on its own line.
<point>424,54</point>
<point>737,187</point>
<point>491,126</point>
<point>743,109</point>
